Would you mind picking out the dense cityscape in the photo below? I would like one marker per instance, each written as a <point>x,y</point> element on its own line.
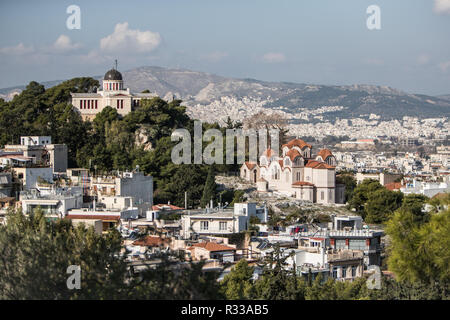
<point>133,178</point>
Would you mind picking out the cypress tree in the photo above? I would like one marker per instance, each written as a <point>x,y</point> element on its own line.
<point>209,192</point>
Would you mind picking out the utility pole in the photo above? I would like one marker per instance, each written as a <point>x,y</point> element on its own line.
<point>185,200</point>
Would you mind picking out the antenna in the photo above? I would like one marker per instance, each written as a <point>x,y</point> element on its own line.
<point>115,61</point>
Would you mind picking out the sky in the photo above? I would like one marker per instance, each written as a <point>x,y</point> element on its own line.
<point>305,41</point>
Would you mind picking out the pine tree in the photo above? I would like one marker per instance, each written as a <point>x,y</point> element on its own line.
<point>209,192</point>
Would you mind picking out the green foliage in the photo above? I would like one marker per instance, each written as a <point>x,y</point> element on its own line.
<point>238,197</point>
<point>238,284</point>
<point>349,181</point>
<point>361,194</point>
<point>227,195</point>
<point>419,247</point>
<point>254,220</point>
<point>35,253</point>
<point>405,290</point>
<point>373,202</point>
<point>276,283</point>
<point>169,216</point>
<point>381,204</point>
<point>209,192</point>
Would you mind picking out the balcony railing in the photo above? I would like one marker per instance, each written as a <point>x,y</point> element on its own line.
<point>338,233</point>
<point>345,255</point>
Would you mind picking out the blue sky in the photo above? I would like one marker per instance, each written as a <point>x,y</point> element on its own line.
<point>308,41</point>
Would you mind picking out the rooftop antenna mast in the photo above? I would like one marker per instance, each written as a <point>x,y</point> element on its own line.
<point>115,62</point>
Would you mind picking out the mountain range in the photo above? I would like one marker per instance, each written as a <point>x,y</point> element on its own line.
<point>199,89</point>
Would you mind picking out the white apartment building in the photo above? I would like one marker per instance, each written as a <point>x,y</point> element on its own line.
<point>223,221</point>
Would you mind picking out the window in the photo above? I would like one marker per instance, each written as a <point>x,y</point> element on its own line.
<point>204,225</point>
<point>335,269</point>
<point>322,195</point>
<point>357,244</point>
<point>340,244</point>
<point>353,271</point>
<point>222,226</point>
<point>344,272</point>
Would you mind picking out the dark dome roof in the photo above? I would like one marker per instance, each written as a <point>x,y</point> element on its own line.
<point>113,74</point>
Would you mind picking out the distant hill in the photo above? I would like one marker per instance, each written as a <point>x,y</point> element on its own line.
<point>199,88</point>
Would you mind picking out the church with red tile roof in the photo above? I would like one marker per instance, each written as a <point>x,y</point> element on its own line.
<point>297,172</point>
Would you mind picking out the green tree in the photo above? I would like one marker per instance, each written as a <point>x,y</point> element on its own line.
<point>277,283</point>
<point>361,195</point>
<point>238,284</point>
<point>419,248</point>
<point>349,181</point>
<point>209,192</point>
<point>36,252</point>
<point>381,204</point>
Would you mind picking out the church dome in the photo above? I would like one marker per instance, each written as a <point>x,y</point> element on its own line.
<point>113,74</point>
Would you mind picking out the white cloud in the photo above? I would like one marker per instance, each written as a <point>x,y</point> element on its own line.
<point>63,43</point>
<point>442,6</point>
<point>274,57</point>
<point>131,40</point>
<point>444,66</point>
<point>20,49</point>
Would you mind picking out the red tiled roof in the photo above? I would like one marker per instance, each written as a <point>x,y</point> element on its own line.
<point>250,165</point>
<point>93,217</point>
<point>297,142</point>
<point>302,183</point>
<point>324,154</point>
<point>393,186</point>
<point>292,154</point>
<point>212,246</point>
<point>150,241</point>
<point>165,206</point>
<point>365,140</point>
<point>318,165</point>
<point>269,153</point>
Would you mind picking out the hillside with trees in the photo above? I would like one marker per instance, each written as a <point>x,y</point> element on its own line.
<point>111,142</point>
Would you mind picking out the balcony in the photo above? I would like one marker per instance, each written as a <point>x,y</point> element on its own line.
<point>345,255</point>
<point>339,233</point>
